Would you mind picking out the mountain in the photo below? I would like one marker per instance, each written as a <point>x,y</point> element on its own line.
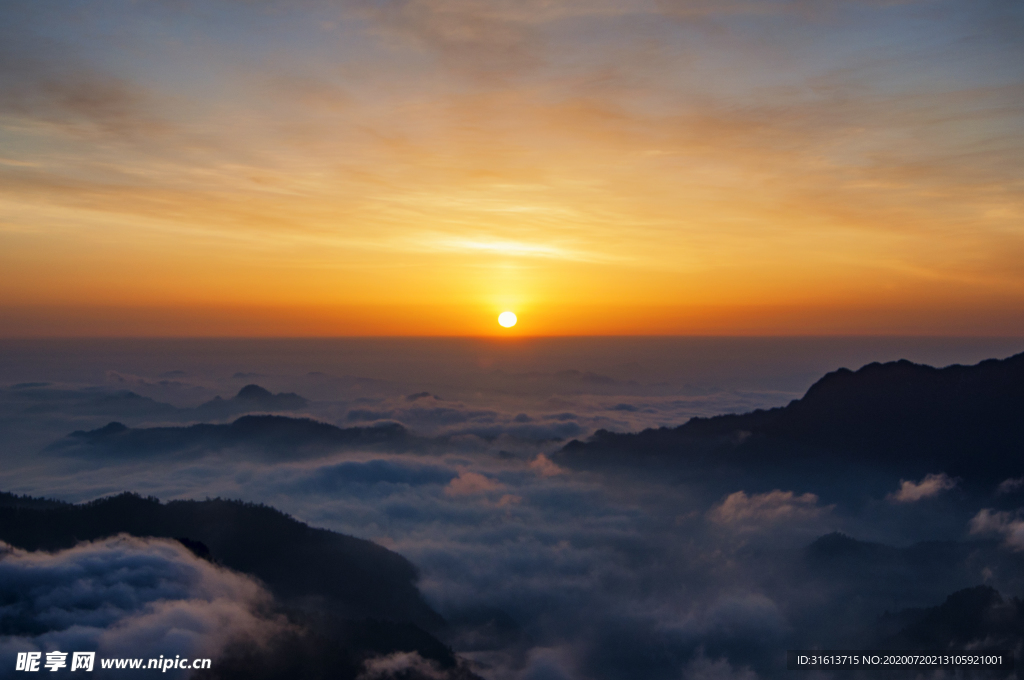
<point>907,418</point>
<point>862,571</point>
<point>359,578</point>
<point>277,436</point>
<point>348,599</point>
<point>972,618</point>
<point>43,398</point>
<point>249,398</point>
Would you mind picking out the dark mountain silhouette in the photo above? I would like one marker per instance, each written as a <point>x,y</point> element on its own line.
<point>839,549</point>
<point>130,405</point>
<point>972,618</point>
<point>861,579</point>
<point>278,436</point>
<point>249,398</point>
<point>12,501</point>
<point>967,421</point>
<point>349,599</point>
<point>359,578</point>
<point>44,399</point>
<point>910,572</point>
<point>325,647</point>
<point>126,404</point>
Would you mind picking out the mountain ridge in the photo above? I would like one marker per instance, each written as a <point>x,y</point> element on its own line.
<point>907,417</point>
<point>272,434</point>
<point>346,599</point>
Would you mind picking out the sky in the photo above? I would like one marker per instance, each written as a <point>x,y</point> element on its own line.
<point>415,167</point>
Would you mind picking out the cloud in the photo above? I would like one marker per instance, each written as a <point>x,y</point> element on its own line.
<point>1009,525</point>
<point>152,596</point>
<point>739,509</point>
<point>549,663</point>
<point>1010,485</point>
<point>47,79</point>
<point>545,467</point>
<point>703,668</point>
<point>459,420</point>
<point>823,142</point>
<point>471,484</point>
<point>474,38</point>
<point>334,476</point>
<point>932,485</point>
<point>401,665</point>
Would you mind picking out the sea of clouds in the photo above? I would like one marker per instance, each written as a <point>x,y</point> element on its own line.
<point>543,572</point>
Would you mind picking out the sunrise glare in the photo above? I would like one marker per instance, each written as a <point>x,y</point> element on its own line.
<point>618,167</point>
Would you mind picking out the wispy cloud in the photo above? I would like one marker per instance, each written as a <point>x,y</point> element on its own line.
<point>1009,525</point>
<point>715,153</point>
<point>764,509</point>
<point>932,485</point>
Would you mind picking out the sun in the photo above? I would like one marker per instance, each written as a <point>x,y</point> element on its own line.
<point>507,319</point>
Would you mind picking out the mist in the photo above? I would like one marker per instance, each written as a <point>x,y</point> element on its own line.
<point>544,558</point>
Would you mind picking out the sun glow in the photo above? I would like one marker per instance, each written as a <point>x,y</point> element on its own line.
<point>507,319</point>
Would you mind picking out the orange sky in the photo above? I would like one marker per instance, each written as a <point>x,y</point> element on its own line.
<point>349,168</point>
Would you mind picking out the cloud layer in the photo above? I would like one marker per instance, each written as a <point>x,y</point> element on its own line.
<point>541,569</point>
<point>128,596</point>
<point>413,167</point>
